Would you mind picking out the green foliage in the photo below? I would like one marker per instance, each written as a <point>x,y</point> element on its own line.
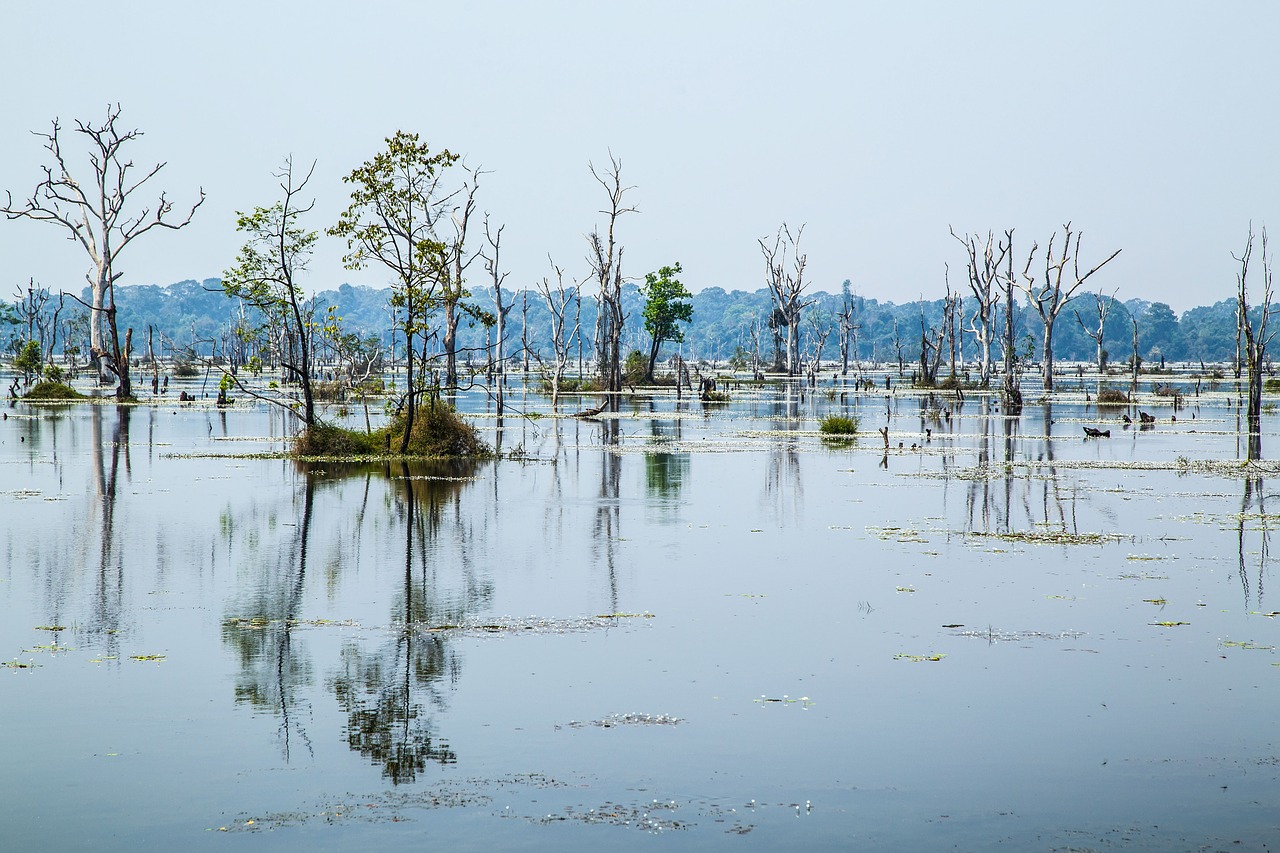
<point>634,368</point>
<point>53,373</point>
<point>53,391</point>
<point>28,360</point>
<point>664,309</point>
<point>1271,386</point>
<point>838,425</point>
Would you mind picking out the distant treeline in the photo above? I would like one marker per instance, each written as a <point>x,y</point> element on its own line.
<point>197,314</point>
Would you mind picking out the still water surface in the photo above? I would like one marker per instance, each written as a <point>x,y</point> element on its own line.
<point>1010,638</point>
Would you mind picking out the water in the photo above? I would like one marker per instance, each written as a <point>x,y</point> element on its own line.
<point>349,656</point>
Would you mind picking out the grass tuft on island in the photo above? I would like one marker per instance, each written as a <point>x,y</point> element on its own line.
<point>438,431</point>
<point>53,391</point>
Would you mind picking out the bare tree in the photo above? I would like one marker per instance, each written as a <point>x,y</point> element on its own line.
<point>558,300</point>
<point>1048,295</point>
<point>931,338</point>
<point>492,258</point>
<point>848,327</point>
<point>983,260</point>
<point>606,268</point>
<point>1012,384</point>
<point>1257,337</point>
<point>265,275</point>
<point>1103,305</point>
<point>96,215</point>
<point>786,286</point>
<point>819,331</point>
<point>452,291</point>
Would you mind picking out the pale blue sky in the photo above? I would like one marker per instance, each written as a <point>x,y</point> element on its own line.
<point>1150,125</point>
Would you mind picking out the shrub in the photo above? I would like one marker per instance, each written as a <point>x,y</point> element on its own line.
<point>53,391</point>
<point>838,425</point>
<point>185,369</point>
<point>1112,397</point>
<point>438,431</point>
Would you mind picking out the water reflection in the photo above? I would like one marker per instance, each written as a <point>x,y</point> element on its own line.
<point>1254,493</point>
<point>387,691</point>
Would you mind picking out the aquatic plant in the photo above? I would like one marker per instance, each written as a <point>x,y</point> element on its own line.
<point>838,425</point>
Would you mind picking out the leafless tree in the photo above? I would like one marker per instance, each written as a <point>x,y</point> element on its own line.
<point>848,329</point>
<point>558,299</point>
<point>819,331</point>
<point>786,286</point>
<point>931,338</point>
<point>605,259</point>
<point>1048,295</point>
<point>492,265</point>
<point>1257,336</point>
<point>1103,305</point>
<point>1012,384</point>
<point>456,260</point>
<point>101,219</point>
<point>983,260</point>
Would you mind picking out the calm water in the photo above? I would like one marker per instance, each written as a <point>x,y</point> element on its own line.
<point>339,657</point>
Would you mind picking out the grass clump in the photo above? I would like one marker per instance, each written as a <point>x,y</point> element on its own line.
<point>838,425</point>
<point>438,431</point>
<point>53,391</point>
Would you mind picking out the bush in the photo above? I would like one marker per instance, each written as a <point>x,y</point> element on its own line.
<point>53,391</point>
<point>1112,397</point>
<point>185,369</point>
<point>635,367</point>
<point>438,431</point>
<point>838,425</point>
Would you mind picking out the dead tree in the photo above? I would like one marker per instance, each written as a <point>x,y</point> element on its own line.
<point>931,338</point>
<point>820,330</point>
<point>605,259</point>
<point>453,290</point>
<point>95,213</point>
<point>1012,384</point>
<point>1048,295</point>
<point>1103,307</point>
<point>983,262</point>
<point>492,259</point>
<point>1257,337</point>
<point>557,300</point>
<point>848,329</point>
<point>786,286</point>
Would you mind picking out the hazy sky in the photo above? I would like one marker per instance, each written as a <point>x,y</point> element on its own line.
<point>1150,125</point>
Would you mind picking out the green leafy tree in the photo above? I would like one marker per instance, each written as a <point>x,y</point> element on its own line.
<point>664,310</point>
<point>396,208</point>
<point>265,275</point>
<point>28,361</point>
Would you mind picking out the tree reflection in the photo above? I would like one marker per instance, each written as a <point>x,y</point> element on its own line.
<point>272,673</point>
<point>387,693</point>
<point>106,615</point>
<point>608,521</point>
<point>1253,493</point>
<point>665,472</point>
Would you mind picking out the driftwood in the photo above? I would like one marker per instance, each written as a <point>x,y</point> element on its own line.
<point>1145,418</point>
<point>1090,432</point>
<point>591,413</point>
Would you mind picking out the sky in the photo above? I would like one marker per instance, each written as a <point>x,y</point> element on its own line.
<point>1150,126</point>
